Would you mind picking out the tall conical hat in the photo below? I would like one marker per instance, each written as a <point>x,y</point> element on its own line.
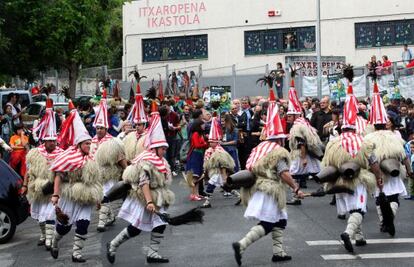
<point>215,131</point>
<point>101,115</point>
<point>273,126</point>
<point>351,103</point>
<point>47,126</point>
<point>294,106</point>
<point>73,131</point>
<point>155,135</point>
<point>377,114</point>
<point>137,114</point>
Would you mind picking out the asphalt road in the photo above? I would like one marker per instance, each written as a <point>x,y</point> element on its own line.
<point>209,244</point>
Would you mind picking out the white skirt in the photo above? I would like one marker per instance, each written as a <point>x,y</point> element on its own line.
<point>107,186</point>
<point>312,166</point>
<point>393,185</point>
<point>263,207</point>
<point>136,214</point>
<point>216,180</point>
<point>42,211</point>
<point>75,211</point>
<point>347,202</point>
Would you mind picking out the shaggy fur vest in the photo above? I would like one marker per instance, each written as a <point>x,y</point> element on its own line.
<point>159,183</point>
<point>39,175</point>
<point>220,159</point>
<point>267,179</point>
<point>107,156</point>
<point>84,185</point>
<point>387,146</point>
<point>133,146</point>
<point>335,156</point>
<point>313,142</point>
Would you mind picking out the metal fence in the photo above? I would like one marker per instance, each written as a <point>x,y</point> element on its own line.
<point>241,80</point>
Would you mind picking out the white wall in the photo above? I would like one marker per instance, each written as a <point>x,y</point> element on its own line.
<point>225,23</point>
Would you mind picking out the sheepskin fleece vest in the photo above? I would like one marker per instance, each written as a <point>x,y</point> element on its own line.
<point>39,175</point>
<point>84,185</point>
<point>335,156</point>
<point>220,159</point>
<point>387,146</point>
<point>107,156</point>
<point>133,146</point>
<point>159,184</point>
<point>267,179</point>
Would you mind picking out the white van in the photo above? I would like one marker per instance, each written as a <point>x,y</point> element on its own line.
<point>25,97</point>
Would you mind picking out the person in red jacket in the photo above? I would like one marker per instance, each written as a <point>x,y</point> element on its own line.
<point>194,167</point>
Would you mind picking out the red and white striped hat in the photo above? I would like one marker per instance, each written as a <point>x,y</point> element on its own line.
<point>101,116</point>
<point>155,135</point>
<point>294,106</point>
<point>138,114</point>
<point>377,114</point>
<point>350,109</point>
<point>215,131</point>
<point>273,125</point>
<point>47,126</point>
<point>73,130</point>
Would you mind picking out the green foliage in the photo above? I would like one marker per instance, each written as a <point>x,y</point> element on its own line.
<point>64,34</point>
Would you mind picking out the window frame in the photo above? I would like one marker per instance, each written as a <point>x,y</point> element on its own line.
<point>187,48</point>
<point>377,27</point>
<point>278,35</point>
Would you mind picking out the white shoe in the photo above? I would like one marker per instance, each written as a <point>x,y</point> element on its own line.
<point>235,193</point>
<point>174,173</point>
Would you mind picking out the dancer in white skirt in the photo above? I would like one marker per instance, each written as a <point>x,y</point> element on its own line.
<point>217,162</point>
<point>149,175</point>
<point>388,146</point>
<point>304,143</point>
<point>266,200</point>
<point>77,186</point>
<point>349,149</point>
<point>110,156</point>
<point>39,178</point>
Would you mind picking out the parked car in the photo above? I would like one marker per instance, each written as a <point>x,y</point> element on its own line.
<point>14,208</point>
<point>34,110</point>
<point>24,100</point>
<point>57,98</point>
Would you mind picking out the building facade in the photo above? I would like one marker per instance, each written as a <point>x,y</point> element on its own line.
<point>221,40</point>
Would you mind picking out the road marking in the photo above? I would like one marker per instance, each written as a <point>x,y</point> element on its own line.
<point>369,241</point>
<point>368,256</point>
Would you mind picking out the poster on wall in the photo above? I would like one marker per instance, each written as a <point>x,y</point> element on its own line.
<point>336,86</point>
<point>222,96</point>
<point>308,65</point>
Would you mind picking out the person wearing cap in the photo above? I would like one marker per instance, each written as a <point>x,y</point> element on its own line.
<point>266,200</point>
<point>110,157</point>
<point>304,143</point>
<point>149,176</point>
<point>77,186</point>
<point>134,141</point>
<point>388,145</point>
<point>351,148</point>
<point>217,162</point>
<point>39,177</point>
<point>101,124</point>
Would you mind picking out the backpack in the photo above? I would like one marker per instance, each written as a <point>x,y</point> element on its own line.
<point>185,148</point>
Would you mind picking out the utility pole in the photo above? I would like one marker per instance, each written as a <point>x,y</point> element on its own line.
<point>318,47</point>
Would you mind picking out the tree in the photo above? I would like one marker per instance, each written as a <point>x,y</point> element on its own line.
<point>63,34</point>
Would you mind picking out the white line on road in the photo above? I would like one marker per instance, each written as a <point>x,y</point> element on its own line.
<point>368,256</point>
<point>369,241</point>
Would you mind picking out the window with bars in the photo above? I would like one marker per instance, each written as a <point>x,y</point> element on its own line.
<point>384,33</point>
<point>275,41</point>
<point>175,48</point>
